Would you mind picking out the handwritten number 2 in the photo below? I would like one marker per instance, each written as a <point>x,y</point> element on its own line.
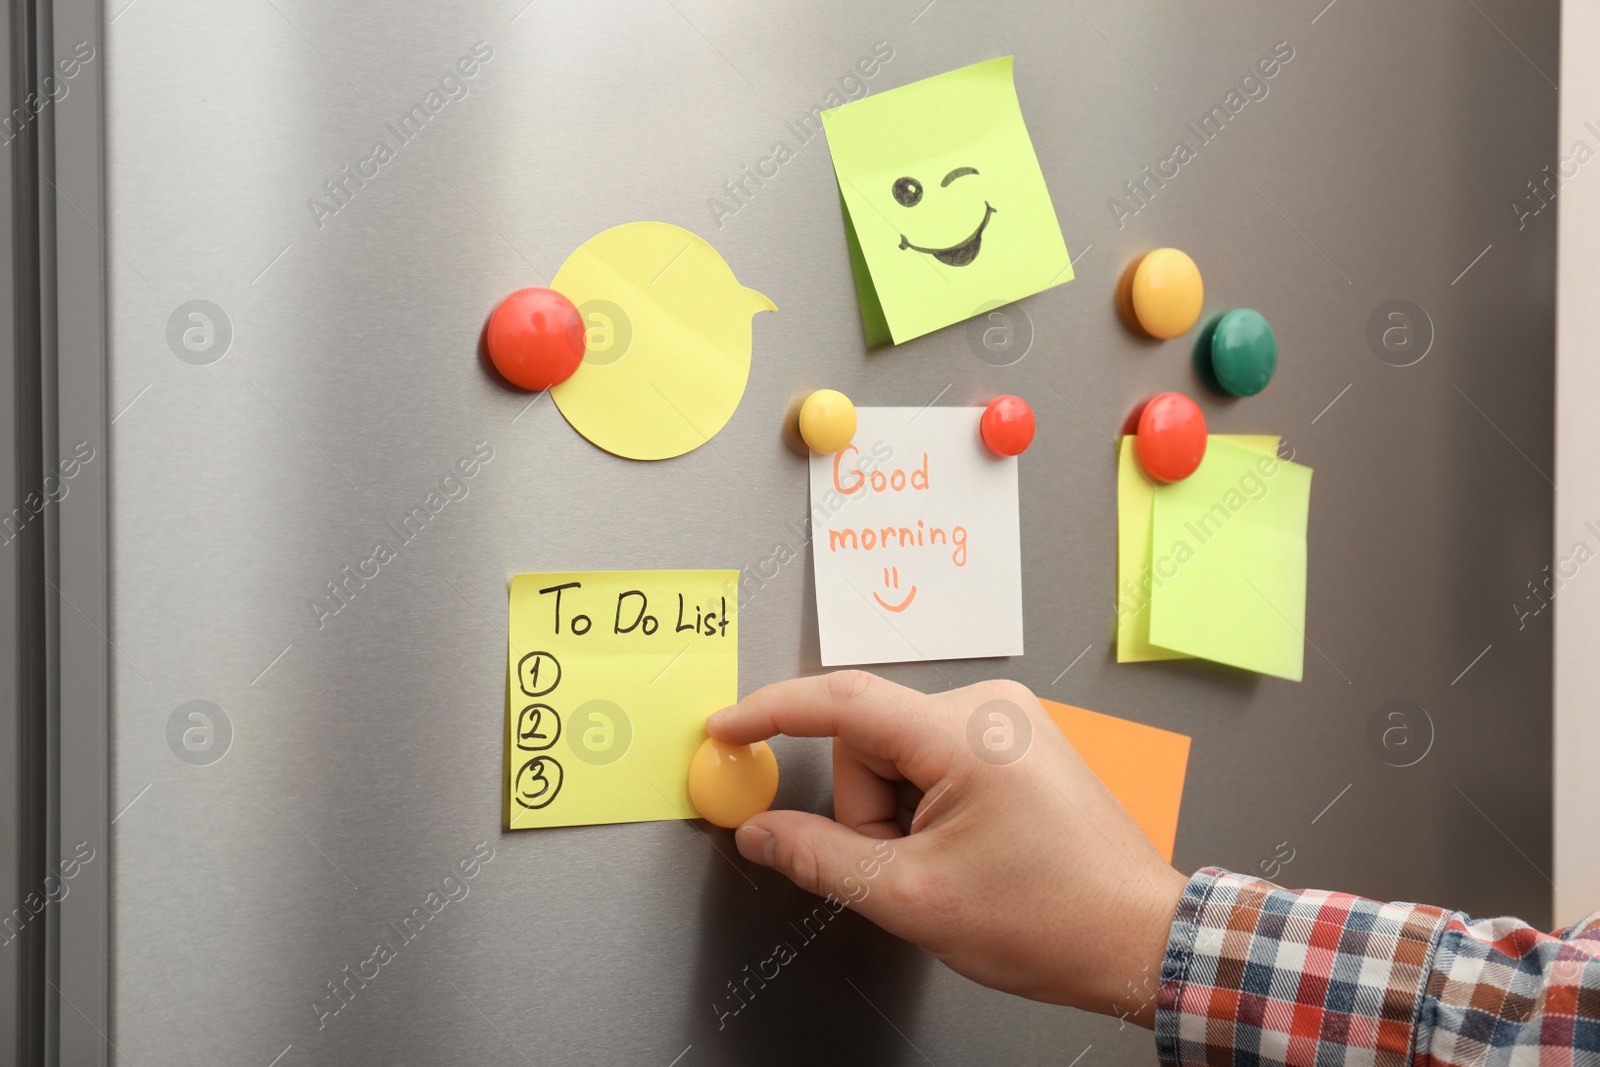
<point>538,727</point>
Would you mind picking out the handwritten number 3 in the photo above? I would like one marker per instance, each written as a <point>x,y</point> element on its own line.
<point>538,782</point>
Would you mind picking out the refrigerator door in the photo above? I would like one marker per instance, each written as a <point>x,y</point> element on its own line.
<point>310,211</point>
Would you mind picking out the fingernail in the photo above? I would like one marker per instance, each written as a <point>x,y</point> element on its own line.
<point>756,845</point>
<point>715,715</point>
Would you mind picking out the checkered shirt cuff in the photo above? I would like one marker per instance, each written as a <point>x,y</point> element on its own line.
<point>1259,975</point>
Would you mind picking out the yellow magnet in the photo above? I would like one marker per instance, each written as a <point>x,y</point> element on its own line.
<point>1166,293</point>
<point>827,421</point>
<point>730,783</point>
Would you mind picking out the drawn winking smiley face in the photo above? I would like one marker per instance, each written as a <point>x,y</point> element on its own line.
<point>908,192</point>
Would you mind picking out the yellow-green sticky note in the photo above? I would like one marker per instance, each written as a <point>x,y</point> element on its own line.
<point>1229,547</point>
<point>610,676</point>
<point>1136,579</point>
<point>945,200</point>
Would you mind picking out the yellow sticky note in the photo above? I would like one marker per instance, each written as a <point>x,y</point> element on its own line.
<point>1143,766</point>
<point>1135,579</point>
<point>946,209</point>
<point>1229,543</point>
<point>610,676</point>
<point>667,347</point>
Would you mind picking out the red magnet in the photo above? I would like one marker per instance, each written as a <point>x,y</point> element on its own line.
<point>1172,437</point>
<point>536,338</point>
<point>1007,425</point>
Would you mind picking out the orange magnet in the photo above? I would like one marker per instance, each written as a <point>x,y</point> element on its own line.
<point>1007,425</point>
<point>1172,437</point>
<point>1164,294</point>
<point>536,338</point>
<point>730,783</point>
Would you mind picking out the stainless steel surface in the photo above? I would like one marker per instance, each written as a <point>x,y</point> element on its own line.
<point>54,937</point>
<point>18,863</point>
<point>25,919</point>
<point>365,752</point>
<point>76,313</point>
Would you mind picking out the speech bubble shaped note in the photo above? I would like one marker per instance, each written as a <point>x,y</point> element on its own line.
<point>946,210</point>
<point>667,342</point>
<point>916,540</point>
<point>610,677</point>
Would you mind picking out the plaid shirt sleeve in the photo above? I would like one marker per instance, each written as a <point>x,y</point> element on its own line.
<point>1258,976</point>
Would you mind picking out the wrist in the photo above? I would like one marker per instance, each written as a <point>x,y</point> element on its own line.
<point>1131,986</point>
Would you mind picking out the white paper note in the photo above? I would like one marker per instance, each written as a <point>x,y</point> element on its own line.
<point>916,541</point>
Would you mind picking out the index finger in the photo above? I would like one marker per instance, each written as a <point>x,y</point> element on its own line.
<point>869,713</point>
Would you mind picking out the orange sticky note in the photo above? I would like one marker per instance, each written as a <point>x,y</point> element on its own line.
<point>1141,765</point>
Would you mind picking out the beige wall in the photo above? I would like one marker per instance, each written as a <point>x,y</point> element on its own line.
<point>1577,608</point>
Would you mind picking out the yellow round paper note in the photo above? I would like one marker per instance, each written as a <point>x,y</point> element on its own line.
<point>668,340</point>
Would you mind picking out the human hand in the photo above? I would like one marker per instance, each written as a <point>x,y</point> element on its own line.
<point>1016,868</point>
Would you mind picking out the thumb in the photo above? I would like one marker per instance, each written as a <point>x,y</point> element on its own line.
<point>816,853</point>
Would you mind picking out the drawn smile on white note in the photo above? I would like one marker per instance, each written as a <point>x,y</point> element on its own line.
<point>891,580</point>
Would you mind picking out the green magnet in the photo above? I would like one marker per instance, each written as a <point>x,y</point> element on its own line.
<point>1244,352</point>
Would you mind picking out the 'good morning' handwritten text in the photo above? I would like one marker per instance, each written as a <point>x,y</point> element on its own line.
<point>854,480</point>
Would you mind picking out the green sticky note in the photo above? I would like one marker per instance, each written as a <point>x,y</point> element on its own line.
<point>1136,495</point>
<point>873,325</point>
<point>944,198</point>
<point>1228,549</point>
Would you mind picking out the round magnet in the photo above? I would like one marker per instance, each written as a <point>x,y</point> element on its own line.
<point>1166,293</point>
<point>827,421</point>
<point>1007,425</point>
<point>536,338</point>
<point>1172,437</point>
<point>730,783</point>
<point>1244,352</point>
